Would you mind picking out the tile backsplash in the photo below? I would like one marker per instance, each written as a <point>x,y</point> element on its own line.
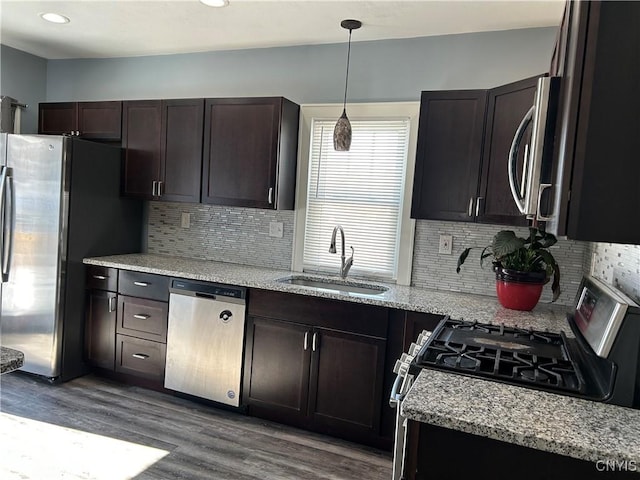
<point>433,270</point>
<point>618,265</point>
<point>224,234</point>
<point>241,235</point>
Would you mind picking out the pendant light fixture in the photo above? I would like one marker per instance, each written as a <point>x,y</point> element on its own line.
<point>342,130</point>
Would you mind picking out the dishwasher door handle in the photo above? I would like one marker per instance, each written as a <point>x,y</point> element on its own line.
<point>210,296</point>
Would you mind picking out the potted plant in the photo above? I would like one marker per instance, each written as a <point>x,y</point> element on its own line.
<point>522,265</point>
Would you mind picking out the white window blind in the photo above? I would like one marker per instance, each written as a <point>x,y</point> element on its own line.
<point>362,190</point>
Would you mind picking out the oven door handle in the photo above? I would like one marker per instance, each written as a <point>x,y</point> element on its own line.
<point>396,397</point>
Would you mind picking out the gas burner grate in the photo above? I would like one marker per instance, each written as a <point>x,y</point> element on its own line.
<point>496,352</point>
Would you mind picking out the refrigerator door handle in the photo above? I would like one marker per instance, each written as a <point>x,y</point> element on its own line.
<point>10,212</point>
<point>3,217</point>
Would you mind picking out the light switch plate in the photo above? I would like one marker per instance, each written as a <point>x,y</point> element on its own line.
<point>185,220</point>
<point>276,229</point>
<point>445,244</point>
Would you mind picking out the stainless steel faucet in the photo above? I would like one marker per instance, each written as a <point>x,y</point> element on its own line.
<point>345,265</point>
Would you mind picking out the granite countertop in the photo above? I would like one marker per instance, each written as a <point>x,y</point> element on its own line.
<point>10,359</point>
<point>455,304</point>
<point>577,428</point>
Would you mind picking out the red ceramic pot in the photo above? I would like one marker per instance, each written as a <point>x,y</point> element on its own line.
<point>519,290</point>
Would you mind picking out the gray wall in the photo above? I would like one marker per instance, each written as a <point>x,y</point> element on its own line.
<point>24,77</point>
<point>392,70</point>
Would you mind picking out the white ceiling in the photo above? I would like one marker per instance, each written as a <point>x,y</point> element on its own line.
<point>124,28</point>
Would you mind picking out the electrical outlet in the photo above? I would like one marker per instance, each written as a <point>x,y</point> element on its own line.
<point>185,220</point>
<point>445,244</point>
<point>276,229</point>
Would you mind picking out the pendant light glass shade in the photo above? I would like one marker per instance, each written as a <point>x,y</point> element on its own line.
<point>342,130</point>
<point>342,133</point>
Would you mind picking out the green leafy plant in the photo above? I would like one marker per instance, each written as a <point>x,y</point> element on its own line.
<point>521,254</point>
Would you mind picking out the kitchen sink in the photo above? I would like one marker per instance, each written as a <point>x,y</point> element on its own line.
<point>338,286</point>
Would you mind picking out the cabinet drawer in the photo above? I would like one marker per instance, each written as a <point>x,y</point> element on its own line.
<point>102,278</point>
<point>144,285</point>
<point>140,357</point>
<point>143,318</point>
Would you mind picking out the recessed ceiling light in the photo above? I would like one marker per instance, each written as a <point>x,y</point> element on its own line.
<point>215,3</point>
<point>55,18</point>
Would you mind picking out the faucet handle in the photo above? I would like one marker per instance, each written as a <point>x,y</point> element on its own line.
<point>352,252</point>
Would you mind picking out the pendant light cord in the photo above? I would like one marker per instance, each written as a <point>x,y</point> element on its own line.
<point>346,81</point>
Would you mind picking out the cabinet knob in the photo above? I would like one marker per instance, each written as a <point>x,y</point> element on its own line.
<point>141,316</point>
<point>141,284</point>
<point>141,356</point>
<point>470,208</point>
<point>270,196</point>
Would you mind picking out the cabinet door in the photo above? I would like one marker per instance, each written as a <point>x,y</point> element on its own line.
<point>241,151</point>
<point>506,107</point>
<point>100,120</point>
<point>347,373</point>
<point>57,118</point>
<point>100,333</point>
<point>415,323</point>
<point>596,195</point>
<point>276,373</point>
<point>448,156</point>
<point>141,139</point>
<point>182,125</point>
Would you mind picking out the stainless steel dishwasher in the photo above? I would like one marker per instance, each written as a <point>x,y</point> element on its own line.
<point>205,337</point>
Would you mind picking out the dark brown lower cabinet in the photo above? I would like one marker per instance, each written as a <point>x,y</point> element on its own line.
<point>437,452</point>
<point>100,340</point>
<point>317,364</point>
<point>277,378</point>
<point>140,357</point>
<point>346,382</point>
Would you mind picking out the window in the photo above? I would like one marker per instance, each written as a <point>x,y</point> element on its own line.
<point>364,190</point>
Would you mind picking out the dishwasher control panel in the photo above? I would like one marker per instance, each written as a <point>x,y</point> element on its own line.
<point>211,289</point>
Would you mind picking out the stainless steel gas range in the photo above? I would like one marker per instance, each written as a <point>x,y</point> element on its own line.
<point>600,362</point>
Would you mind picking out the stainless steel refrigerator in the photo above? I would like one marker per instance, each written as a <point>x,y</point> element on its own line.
<point>59,202</point>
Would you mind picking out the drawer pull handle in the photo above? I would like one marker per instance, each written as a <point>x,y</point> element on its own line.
<point>99,277</point>
<point>141,356</point>
<point>141,284</point>
<point>141,317</point>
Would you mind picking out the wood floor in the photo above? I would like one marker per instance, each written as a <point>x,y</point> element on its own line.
<point>92,428</point>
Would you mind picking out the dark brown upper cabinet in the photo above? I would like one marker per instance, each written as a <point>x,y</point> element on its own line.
<point>464,140</point>
<point>597,137</point>
<point>141,139</point>
<point>450,135</point>
<point>506,107</point>
<point>90,120</point>
<point>163,142</point>
<point>181,159</point>
<point>250,152</point>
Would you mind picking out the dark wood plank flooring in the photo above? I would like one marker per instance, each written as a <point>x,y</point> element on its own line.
<point>195,441</point>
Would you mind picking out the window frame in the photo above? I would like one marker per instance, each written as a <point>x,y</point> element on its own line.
<point>364,111</point>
